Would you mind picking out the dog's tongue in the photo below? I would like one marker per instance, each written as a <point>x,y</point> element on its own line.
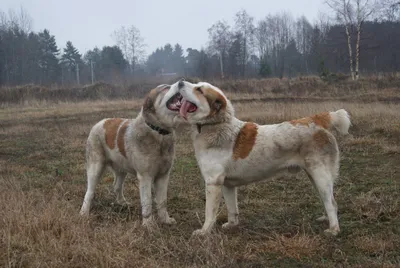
<point>185,107</point>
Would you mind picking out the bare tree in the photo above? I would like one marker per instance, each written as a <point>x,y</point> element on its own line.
<point>220,39</point>
<point>273,35</point>
<point>244,26</point>
<point>3,20</point>
<point>390,10</point>
<point>263,37</point>
<point>21,20</point>
<point>352,14</point>
<point>285,32</point>
<point>25,20</point>
<point>304,32</point>
<point>323,23</point>
<point>130,41</point>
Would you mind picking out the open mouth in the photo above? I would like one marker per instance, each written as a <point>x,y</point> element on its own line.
<point>177,103</point>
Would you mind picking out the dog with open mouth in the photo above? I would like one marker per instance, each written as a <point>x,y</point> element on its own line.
<point>143,146</point>
<point>231,153</point>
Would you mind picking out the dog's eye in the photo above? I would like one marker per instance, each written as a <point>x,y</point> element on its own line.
<point>198,89</point>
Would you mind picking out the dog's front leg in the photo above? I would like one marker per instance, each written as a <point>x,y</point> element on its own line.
<point>213,199</point>
<point>161,189</point>
<point>230,197</point>
<point>145,182</point>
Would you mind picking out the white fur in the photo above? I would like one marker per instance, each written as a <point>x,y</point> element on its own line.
<point>277,147</point>
<point>341,121</point>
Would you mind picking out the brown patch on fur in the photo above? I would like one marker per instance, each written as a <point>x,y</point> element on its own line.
<point>215,100</point>
<point>245,141</point>
<point>322,120</point>
<point>321,138</point>
<point>120,138</point>
<point>111,128</point>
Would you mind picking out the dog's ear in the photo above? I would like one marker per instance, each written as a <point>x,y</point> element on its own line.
<point>148,105</point>
<point>215,100</point>
<point>217,105</point>
<point>163,87</point>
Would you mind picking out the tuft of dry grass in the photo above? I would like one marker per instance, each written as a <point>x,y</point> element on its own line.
<point>373,245</point>
<point>42,183</point>
<point>297,247</point>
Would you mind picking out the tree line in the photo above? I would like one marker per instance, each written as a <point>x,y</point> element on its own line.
<point>362,37</point>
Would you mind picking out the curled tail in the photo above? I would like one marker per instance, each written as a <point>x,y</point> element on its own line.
<point>340,121</point>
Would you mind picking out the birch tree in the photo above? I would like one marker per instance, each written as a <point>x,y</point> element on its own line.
<point>220,38</point>
<point>352,14</point>
<point>244,26</point>
<point>130,41</point>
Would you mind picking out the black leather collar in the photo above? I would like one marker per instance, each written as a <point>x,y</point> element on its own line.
<point>158,129</point>
<point>198,128</point>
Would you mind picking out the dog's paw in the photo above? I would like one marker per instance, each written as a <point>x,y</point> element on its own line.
<point>199,232</point>
<point>332,232</point>
<point>322,218</point>
<point>229,225</point>
<point>84,213</point>
<point>122,202</point>
<point>169,221</point>
<point>149,222</point>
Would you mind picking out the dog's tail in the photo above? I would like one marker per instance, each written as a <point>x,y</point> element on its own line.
<point>340,121</point>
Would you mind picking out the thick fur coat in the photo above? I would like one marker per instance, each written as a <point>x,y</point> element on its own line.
<point>231,153</point>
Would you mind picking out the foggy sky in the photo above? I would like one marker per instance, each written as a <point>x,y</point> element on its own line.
<point>89,23</point>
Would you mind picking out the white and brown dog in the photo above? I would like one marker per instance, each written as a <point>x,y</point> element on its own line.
<point>143,146</point>
<point>231,152</point>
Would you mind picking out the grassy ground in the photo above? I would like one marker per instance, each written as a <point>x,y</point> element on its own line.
<point>42,184</point>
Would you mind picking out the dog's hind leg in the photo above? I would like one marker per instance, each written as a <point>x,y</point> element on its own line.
<point>94,171</point>
<point>323,182</point>
<point>230,197</point>
<point>119,178</point>
<point>323,217</point>
<point>95,164</point>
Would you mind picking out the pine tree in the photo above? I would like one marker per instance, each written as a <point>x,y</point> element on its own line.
<point>265,69</point>
<point>113,63</point>
<point>178,61</point>
<point>71,59</point>
<point>48,61</point>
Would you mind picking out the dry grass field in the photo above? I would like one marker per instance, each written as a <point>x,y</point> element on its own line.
<point>42,184</point>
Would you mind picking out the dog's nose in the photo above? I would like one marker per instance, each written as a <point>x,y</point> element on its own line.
<point>181,83</point>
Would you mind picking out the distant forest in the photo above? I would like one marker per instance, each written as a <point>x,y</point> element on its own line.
<point>362,37</point>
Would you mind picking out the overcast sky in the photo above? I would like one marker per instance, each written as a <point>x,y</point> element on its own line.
<point>89,23</point>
